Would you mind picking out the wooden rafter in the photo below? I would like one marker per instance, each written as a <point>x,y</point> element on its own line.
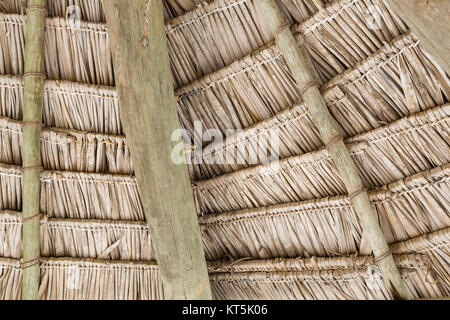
<point>31,144</point>
<point>330,134</point>
<point>149,116</point>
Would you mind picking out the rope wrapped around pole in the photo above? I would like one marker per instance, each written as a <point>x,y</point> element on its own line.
<point>31,155</point>
<point>332,138</point>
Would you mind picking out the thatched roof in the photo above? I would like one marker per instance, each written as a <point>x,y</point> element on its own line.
<point>283,229</point>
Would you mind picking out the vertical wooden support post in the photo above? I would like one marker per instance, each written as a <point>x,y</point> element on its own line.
<point>328,129</point>
<point>149,116</point>
<point>428,20</point>
<point>31,145</point>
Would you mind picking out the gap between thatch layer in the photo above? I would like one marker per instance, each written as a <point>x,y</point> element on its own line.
<point>390,153</point>
<point>68,150</point>
<point>323,227</point>
<point>335,278</point>
<point>195,46</point>
<point>398,80</point>
<point>67,105</point>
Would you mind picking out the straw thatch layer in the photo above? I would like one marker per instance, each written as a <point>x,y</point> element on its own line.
<point>337,278</point>
<point>10,234</point>
<point>67,105</point>
<point>396,151</point>
<point>436,246</point>
<point>76,195</point>
<point>10,279</point>
<point>73,105</point>
<point>77,53</point>
<point>346,281</point>
<point>92,10</point>
<point>398,80</point>
<point>196,48</point>
<point>68,150</point>
<point>325,227</point>
<point>284,134</point>
<point>103,239</point>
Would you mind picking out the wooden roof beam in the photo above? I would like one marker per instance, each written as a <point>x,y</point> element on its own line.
<point>333,140</point>
<point>428,20</point>
<point>31,144</point>
<point>149,115</point>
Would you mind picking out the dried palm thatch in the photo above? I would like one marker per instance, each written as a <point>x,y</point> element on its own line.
<point>315,278</point>
<point>67,105</point>
<point>69,150</point>
<point>86,238</point>
<point>374,92</point>
<point>77,195</point>
<point>86,55</point>
<point>388,94</point>
<point>382,156</point>
<point>436,247</point>
<point>337,36</point>
<point>78,53</point>
<point>329,226</point>
<point>352,105</point>
<point>324,227</point>
<point>92,10</point>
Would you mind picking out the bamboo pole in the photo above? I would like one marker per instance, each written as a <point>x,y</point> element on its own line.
<point>148,112</point>
<point>428,20</point>
<point>31,148</point>
<point>330,134</point>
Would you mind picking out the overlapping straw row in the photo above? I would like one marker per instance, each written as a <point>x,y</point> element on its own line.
<point>398,80</point>
<point>393,152</point>
<point>102,239</point>
<point>76,195</point>
<point>10,234</point>
<point>68,279</point>
<point>88,10</point>
<point>67,105</point>
<point>325,227</point>
<point>68,150</point>
<point>197,48</point>
<point>10,279</point>
<point>335,278</point>
<point>377,91</point>
<point>92,10</point>
<point>384,155</point>
<point>436,246</point>
<point>79,50</point>
<point>317,279</point>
